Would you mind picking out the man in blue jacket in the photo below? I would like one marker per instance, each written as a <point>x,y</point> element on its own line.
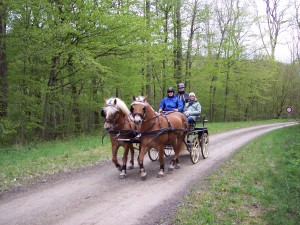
<point>171,102</point>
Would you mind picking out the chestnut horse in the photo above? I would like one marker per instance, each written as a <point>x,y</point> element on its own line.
<point>120,126</point>
<point>156,131</point>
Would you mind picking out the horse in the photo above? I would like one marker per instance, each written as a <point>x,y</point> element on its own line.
<point>119,125</point>
<point>157,130</point>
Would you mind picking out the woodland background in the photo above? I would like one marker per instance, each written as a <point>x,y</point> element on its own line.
<point>59,59</point>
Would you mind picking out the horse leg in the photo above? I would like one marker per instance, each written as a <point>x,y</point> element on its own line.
<point>176,155</point>
<point>138,158</point>
<point>177,164</point>
<point>173,161</point>
<point>143,173</point>
<point>132,157</point>
<point>162,163</point>
<point>114,157</point>
<point>124,159</point>
<point>172,165</point>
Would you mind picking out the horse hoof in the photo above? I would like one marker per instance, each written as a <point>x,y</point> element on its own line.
<point>160,175</point>
<point>130,167</point>
<point>177,166</point>
<point>143,178</point>
<point>122,176</point>
<point>170,170</point>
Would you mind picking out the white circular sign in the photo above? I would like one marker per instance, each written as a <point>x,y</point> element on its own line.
<point>289,109</point>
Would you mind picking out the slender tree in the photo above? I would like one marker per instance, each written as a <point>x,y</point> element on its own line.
<point>275,19</point>
<point>178,41</point>
<point>3,61</point>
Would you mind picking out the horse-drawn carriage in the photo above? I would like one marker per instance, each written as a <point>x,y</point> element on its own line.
<point>157,134</point>
<point>197,143</point>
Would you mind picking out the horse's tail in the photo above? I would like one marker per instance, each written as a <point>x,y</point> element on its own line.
<point>183,146</point>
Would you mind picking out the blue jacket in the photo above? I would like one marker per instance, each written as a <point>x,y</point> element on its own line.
<point>171,103</point>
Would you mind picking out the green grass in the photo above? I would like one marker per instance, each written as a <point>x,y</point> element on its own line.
<point>24,164</point>
<point>259,185</point>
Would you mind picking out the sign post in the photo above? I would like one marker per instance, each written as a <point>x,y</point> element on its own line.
<point>289,111</point>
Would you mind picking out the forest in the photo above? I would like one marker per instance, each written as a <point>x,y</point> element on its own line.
<point>59,60</point>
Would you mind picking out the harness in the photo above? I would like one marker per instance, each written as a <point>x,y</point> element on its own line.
<point>118,132</point>
<point>161,131</point>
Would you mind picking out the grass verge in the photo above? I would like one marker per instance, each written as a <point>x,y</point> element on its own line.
<point>259,185</point>
<point>21,165</point>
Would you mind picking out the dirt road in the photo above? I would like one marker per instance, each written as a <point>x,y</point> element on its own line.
<point>97,196</point>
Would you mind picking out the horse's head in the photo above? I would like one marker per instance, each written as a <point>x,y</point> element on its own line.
<point>139,109</point>
<point>114,112</point>
<point>110,113</point>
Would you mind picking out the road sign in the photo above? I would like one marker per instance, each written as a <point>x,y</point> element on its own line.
<point>289,109</point>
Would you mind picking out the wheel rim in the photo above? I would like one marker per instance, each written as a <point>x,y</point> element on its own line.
<point>195,150</point>
<point>153,154</point>
<point>204,145</point>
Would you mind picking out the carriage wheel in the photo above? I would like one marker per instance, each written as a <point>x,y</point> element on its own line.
<point>204,145</point>
<point>168,150</point>
<point>195,150</point>
<point>153,154</point>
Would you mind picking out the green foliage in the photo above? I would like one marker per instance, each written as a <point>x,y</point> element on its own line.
<point>7,131</point>
<point>65,57</point>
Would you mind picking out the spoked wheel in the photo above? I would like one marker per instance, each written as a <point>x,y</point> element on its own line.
<point>153,154</point>
<point>204,145</point>
<point>195,150</point>
<point>168,150</point>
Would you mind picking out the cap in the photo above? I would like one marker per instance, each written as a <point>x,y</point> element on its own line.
<point>170,89</point>
<point>192,94</point>
<point>181,85</point>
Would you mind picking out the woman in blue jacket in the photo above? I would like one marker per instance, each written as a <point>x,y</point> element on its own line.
<point>171,102</point>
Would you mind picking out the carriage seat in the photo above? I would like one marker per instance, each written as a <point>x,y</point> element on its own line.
<point>193,124</point>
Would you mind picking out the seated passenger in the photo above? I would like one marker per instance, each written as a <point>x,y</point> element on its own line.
<point>171,102</point>
<point>192,108</point>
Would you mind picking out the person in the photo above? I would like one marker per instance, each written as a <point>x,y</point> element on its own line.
<point>181,94</point>
<point>171,102</point>
<point>192,108</point>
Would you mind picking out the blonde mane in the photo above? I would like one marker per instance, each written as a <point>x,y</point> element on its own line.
<point>120,105</point>
<point>143,100</point>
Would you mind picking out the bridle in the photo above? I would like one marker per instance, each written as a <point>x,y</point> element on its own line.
<point>141,115</point>
<point>110,120</point>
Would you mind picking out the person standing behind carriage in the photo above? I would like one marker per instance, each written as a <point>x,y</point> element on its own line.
<point>181,94</point>
<point>171,102</point>
<point>192,108</point>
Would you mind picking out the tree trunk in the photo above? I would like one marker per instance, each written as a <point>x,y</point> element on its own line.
<point>76,110</point>
<point>188,62</point>
<point>178,43</point>
<point>49,107</point>
<point>3,63</point>
<point>148,67</point>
